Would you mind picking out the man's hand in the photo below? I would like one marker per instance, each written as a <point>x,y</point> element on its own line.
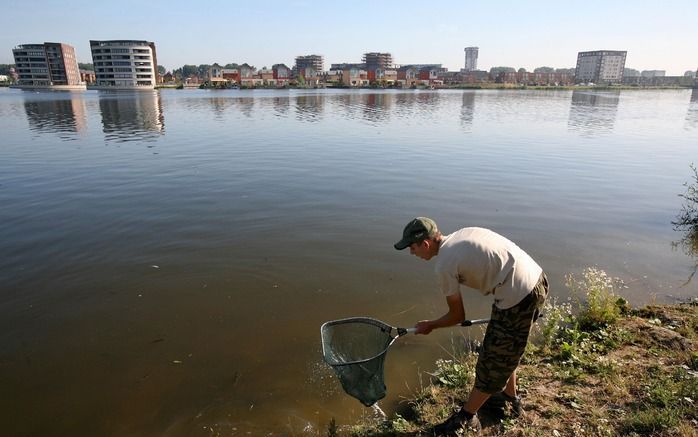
<point>454,316</point>
<point>423,327</point>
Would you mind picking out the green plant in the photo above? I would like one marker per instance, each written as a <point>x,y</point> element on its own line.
<point>400,424</point>
<point>602,305</point>
<point>687,221</point>
<point>665,399</point>
<point>688,217</point>
<point>548,328</point>
<point>454,373</point>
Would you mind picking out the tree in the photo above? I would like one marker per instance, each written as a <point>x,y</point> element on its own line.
<point>544,70</point>
<point>5,68</point>
<point>189,70</point>
<point>232,65</point>
<point>89,67</point>
<point>202,70</point>
<point>161,69</point>
<point>494,71</point>
<point>522,70</point>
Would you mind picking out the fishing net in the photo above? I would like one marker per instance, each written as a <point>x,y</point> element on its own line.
<point>356,350</point>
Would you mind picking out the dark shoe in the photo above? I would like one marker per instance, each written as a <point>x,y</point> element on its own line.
<point>500,400</point>
<point>458,421</point>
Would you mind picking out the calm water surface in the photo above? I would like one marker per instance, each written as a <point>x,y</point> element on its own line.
<point>168,257</point>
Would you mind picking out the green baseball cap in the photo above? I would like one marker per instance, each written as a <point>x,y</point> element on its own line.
<point>417,229</point>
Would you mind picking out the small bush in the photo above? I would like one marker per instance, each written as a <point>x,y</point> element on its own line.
<point>602,306</point>
<point>556,317</point>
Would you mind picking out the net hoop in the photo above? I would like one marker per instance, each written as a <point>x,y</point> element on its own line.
<point>366,320</point>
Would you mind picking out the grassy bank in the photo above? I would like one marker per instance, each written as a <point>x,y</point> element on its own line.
<point>595,367</point>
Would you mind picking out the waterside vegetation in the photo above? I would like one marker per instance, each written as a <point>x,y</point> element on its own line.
<point>596,368</point>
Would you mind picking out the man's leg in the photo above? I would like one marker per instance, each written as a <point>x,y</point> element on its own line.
<point>510,388</point>
<point>475,401</point>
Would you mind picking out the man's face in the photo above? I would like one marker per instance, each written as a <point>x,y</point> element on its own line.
<point>420,250</point>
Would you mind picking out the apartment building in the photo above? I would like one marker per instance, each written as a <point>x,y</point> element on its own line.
<point>47,65</point>
<point>309,66</point>
<point>601,66</point>
<point>124,64</point>
<point>375,60</point>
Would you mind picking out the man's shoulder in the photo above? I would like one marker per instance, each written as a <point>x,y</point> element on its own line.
<point>469,233</point>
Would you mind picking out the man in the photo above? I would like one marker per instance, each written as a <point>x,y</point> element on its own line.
<point>483,260</point>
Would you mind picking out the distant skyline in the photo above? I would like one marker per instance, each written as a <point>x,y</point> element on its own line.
<point>513,34</point>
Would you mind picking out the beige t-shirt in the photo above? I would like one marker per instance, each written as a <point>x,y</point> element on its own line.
<point>483,260</point>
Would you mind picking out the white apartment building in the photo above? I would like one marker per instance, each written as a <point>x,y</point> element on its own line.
<point>124,64</point>
<point>601,66</point>
<point>47,65</point>
<point>471,58</point>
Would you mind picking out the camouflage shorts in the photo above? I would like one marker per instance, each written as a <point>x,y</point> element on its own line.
<point>506,338</point>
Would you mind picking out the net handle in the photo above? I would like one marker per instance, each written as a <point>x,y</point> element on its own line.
<point>404,331</point>
<point>474,322</point>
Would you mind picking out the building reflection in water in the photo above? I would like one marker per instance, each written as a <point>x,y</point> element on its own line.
<point>245,105</point>
<point>220,105</point>
<point>346,105</point>
<point>593,112</point>
<point>65,117</point>
<point>692,113</point>
<point>467,111</point>
<point>376,107</point>
<point>281,105</point>
<point>136,116</point>
<point>309,107</point>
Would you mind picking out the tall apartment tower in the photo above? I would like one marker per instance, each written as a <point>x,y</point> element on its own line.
<point>124,64</point>
<point>376,60</point>
<point>471,58</point>
<point>600,66</point>
<point>306,64</point>
<point>51,64</point>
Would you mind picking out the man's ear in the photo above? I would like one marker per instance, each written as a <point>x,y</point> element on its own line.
<point>430,243</point>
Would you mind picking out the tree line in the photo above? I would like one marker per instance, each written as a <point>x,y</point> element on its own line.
<point>494,71</point>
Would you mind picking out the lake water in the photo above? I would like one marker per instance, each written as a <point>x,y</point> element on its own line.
<point>168,257</point>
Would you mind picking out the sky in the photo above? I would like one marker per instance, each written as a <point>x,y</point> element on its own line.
<point>519,34</point>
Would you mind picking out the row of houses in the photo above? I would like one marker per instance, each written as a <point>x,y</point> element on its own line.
<point>348,75</point>
<point>358,75</point>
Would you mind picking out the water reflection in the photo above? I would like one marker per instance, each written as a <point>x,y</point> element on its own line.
<point>220,105</point>
<point>467,112</point>
<point>133,117</point>
<point>245,105</point>
<point>309,107</point>
<point>692,113</point>
<point>376,107</point>
<point>593,112</point>
<point>64,117</point>
<point>281,105</point>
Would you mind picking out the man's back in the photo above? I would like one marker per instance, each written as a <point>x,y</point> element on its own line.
<point>483,260</point>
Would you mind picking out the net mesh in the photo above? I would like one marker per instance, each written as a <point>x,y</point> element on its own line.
<point>356,350</point>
